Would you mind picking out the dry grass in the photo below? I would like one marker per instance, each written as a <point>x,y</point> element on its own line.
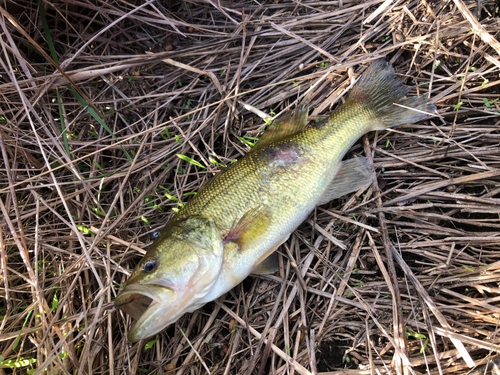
<point>418,281</point>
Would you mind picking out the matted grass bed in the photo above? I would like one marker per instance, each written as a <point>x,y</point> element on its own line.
<point>99,99</point>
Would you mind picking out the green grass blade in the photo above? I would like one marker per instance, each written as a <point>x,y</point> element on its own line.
<point>53,53</point>
<point>46,30</point>
<point>150,344</point>
<point>63,125</point>
<point>22,362</point>
<point>246,141</point>
<point>78,97</point>
<point>98,118</point>
<point>16,343</point>
<point>189,160</point>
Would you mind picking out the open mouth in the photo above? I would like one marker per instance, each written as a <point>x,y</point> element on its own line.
<point>133,304</point>
<point>149,305</point>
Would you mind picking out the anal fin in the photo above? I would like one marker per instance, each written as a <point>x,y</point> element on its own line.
<point>353,174</point>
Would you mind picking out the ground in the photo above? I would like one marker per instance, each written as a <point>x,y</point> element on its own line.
<point>113,113</point>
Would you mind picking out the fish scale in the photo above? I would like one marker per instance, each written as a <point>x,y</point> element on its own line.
<point>245,213</point>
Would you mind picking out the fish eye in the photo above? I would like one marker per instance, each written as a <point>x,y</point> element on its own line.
<point>149,265</point>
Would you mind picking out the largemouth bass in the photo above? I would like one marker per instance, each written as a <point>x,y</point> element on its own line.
<point>246,212</point>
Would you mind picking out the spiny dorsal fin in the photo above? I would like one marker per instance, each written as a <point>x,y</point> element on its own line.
<point>286,125</point>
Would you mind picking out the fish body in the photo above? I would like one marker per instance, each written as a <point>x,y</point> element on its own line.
<point>245,213</point>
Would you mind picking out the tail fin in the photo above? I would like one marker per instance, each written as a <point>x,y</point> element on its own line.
<point>380,89</point>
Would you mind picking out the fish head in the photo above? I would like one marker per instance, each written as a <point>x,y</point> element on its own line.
<point>178,270</point>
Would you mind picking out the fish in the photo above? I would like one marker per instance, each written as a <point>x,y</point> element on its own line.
<point>232,227</point>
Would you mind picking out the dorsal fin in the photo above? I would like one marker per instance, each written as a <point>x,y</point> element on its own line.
<point>286,125</point>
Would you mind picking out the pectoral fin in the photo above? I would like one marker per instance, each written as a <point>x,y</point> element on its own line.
<point>251,225</point>
<point>353,175</point>
<point>285,126</point>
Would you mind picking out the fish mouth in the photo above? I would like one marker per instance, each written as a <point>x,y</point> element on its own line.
<point>153,306</point>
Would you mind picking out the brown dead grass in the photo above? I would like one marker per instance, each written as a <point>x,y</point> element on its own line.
<point>418,281</point>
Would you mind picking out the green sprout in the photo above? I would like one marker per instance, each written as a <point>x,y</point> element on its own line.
<point>189,160</point>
